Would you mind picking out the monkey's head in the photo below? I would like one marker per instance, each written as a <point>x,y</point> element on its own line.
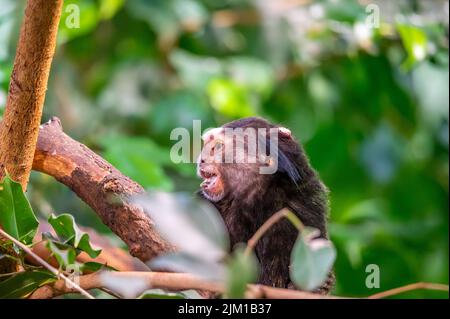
<point>243,157</point>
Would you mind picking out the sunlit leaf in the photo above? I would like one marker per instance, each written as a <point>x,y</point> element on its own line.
<point>108,8</point>
<point>229,99</point>
<point>415,43</point>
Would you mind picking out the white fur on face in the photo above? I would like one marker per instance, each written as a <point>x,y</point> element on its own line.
<point>211,197</point>
<point>285,131</point>
<point>212,134</point>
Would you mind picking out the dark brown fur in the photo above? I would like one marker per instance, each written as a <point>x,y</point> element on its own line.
<point>252,198</point>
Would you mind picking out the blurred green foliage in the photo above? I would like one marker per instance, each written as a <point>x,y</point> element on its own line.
<point>370,105</point>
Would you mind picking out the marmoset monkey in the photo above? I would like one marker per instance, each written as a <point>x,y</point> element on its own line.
<point>233,180</point>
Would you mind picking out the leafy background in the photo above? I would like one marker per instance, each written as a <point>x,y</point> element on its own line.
<point>370,106</point>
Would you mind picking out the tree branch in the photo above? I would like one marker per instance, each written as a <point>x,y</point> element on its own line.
<point>101,186</point>
<point>410,287</point>
<point>263,229</point>
<point>275,218</point>
<point>172,282</point>
<point>20,126</point>
<point>183,281</point>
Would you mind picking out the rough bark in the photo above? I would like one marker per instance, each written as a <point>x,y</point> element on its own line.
<point>28,84</point>
<point>101,186</point>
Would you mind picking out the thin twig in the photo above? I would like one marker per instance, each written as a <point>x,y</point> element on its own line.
<point>47,265</point>
<point>269,223</point>
<point>410,287</point>
<point>295,220</point>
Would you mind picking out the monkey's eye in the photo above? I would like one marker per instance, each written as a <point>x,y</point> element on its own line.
<point>218,144</point>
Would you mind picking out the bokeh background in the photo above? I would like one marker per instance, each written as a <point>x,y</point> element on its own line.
<point>370,103</point>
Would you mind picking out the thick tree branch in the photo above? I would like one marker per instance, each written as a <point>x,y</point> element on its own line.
<point>101,186</point>
<point>20,126</point>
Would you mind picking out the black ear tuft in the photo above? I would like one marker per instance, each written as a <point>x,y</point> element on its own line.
<point>285,165</point>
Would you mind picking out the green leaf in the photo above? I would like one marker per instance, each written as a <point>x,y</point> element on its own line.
<point>242,270</point>
<point>92,266</point>
<point>24,283</point>
<point>161,294</point>
<point>229,98</point>
<point>415,43</point>
<point>64,256</point>
<point>65,227</point>
<point>108,8</point>
<point>312,259</point>
<point>16,216</point>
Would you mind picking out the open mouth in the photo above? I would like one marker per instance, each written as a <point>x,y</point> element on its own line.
<point>211,186</point>
<point>210,179</point>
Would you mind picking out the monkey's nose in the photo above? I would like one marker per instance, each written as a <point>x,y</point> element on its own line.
<point>200,159</point>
